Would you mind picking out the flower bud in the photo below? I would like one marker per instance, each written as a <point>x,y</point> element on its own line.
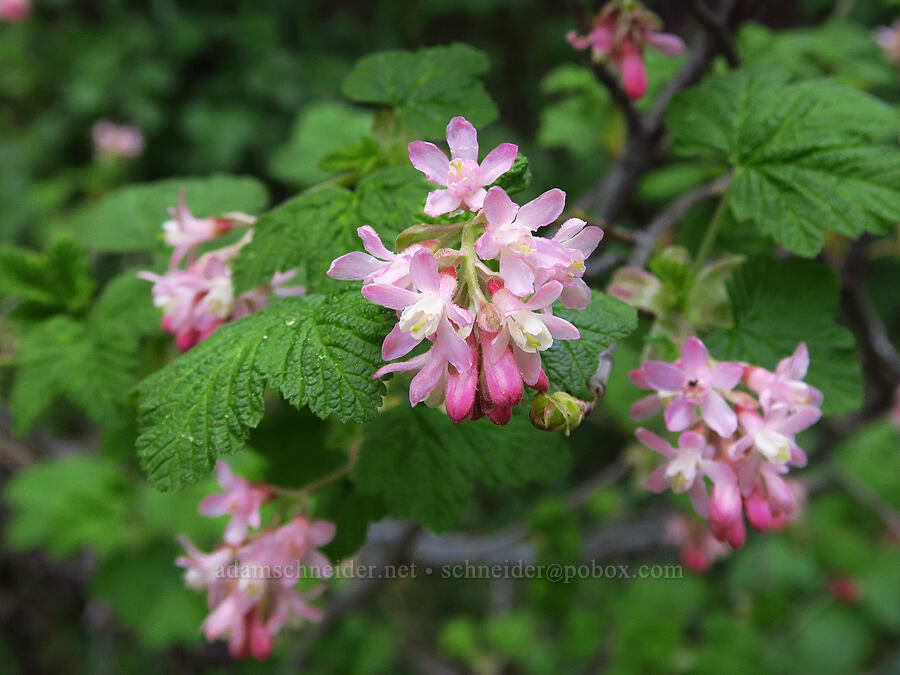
<point>736,534</point>
<point>542,384</point>
<point>757,509</point>
<point>461,387</point>
<point>725,504</point>
<point>260,639</point>
<point>557,412</point>
<point>501,377</point>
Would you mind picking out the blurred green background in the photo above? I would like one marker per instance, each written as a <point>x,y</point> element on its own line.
<point>253,87</point>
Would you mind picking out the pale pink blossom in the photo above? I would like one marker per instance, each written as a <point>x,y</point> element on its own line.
<point>563,257</point>
<point>295,543</point>
<point>202,569</point>
<point>184,232</point>
<point>786,384</point>
<point>425,312</point>
<point>121,141</point>
<point>463,177</point>
<point>528,328</point>
<point>508,236</point>
<point>377,265</point>
<point>686,467</point>
<point>772,434</point>
<point>695,382</point>
<point>241,500</point>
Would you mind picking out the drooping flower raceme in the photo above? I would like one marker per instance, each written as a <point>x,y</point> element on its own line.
<point>743,440</point>
<point>480,327</point>
<point>251,578</point>
<point>620,33</point>
<point>199,297</point>
<point>462,176</point>
<point>15,10</point>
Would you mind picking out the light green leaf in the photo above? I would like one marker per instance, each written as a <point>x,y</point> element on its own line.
<point>321,128</point>
<point>316,351</point>
<point>427,87</point>
<point>777,304</point>
<point>570,363</point>
<point>808,157</point>
<point>424,466</point>
<point>130,218</point>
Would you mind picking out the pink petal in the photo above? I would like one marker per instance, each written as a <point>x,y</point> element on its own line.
<point>498,162</point>
<point>427,379</point>
<point>430,160</point>
<point>694,355</point>
<point>214,505</point>
<point>654,442</point>
<point>321,532</point>
<point>462,139</point>
<point>699,498</point>
<point>559,328</point>
<point>800,362</point>
<point>719,415</point>
<point>803,419</point>
<point>646,407</point>
<point>461,317</point>
<point>663,376</point>
<point>389,296</point>
<point>498,207</point>
<point>726,375</point>
<point>544,296</point>
<point>517,274</point>
<point>423,271</point>
<point>634,73</point>
<point>452,347</point>
<point>577,42</point>
<point>691,440</point>
<point>668,44</point>
<point>586,241</point>
<point>656,481</point>
<point>543,210</point>
<point>475,200</point>
<point>440,202</point>
<point>355,265</point>
<point>397,343</point>
<point>403,366</point>
<point>529,365</point>
<point>372,243</point>
<point>224,475</point>
<point>576,296</point>
<point>679,414</point>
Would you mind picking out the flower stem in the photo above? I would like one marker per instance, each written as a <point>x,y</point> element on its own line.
<point>711,232</point>
<point>470,273</point>
<point>304,492</point>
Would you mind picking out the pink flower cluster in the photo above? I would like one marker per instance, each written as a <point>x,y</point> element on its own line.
<point>620,33</point>
<point>198,298</point>
<point>742,441</point>
<point>15,10</point>
<point>116,141</point>
<point>484,326</point>
<point>250,579</point>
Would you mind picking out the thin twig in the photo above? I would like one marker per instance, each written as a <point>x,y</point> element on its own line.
<point>646,240</point>
<point>717,28</point>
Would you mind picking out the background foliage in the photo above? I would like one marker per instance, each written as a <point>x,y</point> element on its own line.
<point>248,105</point>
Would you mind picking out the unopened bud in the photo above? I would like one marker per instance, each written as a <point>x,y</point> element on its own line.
<point>558,411</point>
<point>430,236</point>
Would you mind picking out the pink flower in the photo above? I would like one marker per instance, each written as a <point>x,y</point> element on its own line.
<point>621,37</point>
<point>694,382</point>
<point>772,436</point>
<point>562,259</point>
<point>526,331</point>
<point>185,233</point>
<point>785,385</point>
<point>424,312</point>
<point>241,501</point>
<point>889,40</point>
<point>15,10</point>
<point>686,468</point>
<point>508,236</point>
<point>295,543</point>
<point>462,176</point>
<point>119,141</point>
<point>379,265</point>
<point>202,569</point>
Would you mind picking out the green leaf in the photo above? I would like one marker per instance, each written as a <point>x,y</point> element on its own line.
<point>312,229</point>
<point>777,304</point>
<point>427,87</point>
<point>424,466</point>
<point>871,456</point>
<point>88,363</point>
<point>518,178</point>
<point>57,280</point>
<point>130,218</point>
<point>68,504</point>
<point>306,232</point>
<point>321,128</point>
<point>316,351</point>
<point>570,363</point>
<point>808,157</point>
